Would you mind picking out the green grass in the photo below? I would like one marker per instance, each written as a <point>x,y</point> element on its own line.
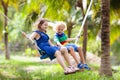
<point>31,68</point>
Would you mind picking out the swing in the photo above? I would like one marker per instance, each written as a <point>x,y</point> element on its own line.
<point>41,52</point>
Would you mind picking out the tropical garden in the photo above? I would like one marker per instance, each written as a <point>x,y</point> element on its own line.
<point>97,22</point>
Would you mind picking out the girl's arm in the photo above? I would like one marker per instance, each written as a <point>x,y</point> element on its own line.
<point>33,36</point>
<point>51,43</point>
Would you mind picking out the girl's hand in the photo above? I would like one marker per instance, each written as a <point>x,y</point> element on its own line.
<point>24,34</point>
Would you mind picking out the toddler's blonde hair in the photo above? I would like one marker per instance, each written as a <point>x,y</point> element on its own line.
<point>58,24</point>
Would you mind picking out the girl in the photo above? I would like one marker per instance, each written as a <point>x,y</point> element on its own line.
<point>43,42</point>
<point>62,40</point>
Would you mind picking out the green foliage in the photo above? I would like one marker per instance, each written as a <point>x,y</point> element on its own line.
<point>114,31</point>
<point>56,10</point>
<point>2,46</point>
<point>116,51</point>
<point>31,6</point>
<point>96,9</point>
<point>29,20</point>
<point>114,21</point>
<point>30,52</point>
<point>113,4</point>
<point>94,47</point>
<point>72,3</point>
<point>15,26</point>
<point>115,46</point>
<point>1,25</point>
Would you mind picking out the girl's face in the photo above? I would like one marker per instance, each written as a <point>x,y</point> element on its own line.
<point>60,29</point>
<point>44,26</point>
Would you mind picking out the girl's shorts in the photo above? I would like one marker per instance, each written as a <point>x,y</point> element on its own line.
<point>50,51</point>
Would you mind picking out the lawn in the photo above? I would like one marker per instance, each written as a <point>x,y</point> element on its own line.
<point>32,68</point>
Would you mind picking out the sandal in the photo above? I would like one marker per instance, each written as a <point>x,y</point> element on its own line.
<point>69,71</point>
<point>86,67</point>
<point>80,66</point>
<point>74,68</point>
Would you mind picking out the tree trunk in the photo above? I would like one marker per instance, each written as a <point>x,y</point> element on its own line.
<point>105,68</point>
<point>69,28</point>
<point>5,7</point>
<point>85,39</point>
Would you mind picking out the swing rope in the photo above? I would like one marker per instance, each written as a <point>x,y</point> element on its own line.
<point>79,34</point>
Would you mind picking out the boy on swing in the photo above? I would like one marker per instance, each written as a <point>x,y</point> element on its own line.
<point>61,40</point>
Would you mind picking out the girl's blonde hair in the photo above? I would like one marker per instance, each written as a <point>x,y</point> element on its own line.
<point>60,23</point>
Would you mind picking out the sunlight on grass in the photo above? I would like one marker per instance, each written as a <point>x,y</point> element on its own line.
<point>26,58</point>
<point>7,74</point>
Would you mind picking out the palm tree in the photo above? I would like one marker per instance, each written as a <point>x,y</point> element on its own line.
<point>5,4</point>
<point>105,68</point>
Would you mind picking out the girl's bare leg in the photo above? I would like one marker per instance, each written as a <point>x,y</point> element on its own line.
<point>67,58</point>
<point>66,55</point>
<point>60,60</point>
<point>62,63</point>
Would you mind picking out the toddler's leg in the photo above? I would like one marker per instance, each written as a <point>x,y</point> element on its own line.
<point>72,52</point>
<point>81,55</point>
<point>83,62</point>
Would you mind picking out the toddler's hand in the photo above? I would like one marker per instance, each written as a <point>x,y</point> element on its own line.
<point>77,37</point>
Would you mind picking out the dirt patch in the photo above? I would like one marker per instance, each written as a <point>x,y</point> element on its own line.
<point>90,58</point>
